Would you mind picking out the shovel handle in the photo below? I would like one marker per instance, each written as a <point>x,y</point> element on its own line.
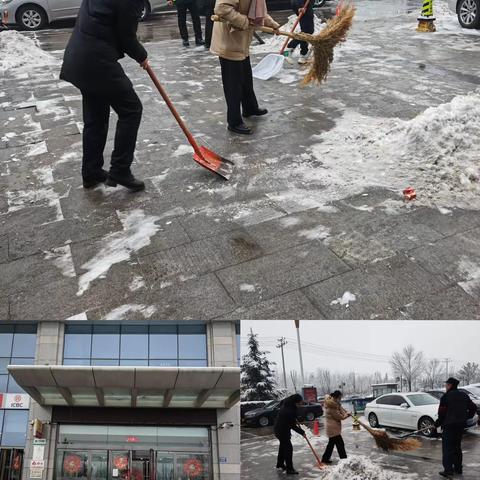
<point>272,31</point>
<point>299,17</point>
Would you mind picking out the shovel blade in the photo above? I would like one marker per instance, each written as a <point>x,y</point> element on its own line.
<point>268,66</point>
<point>214,162</point>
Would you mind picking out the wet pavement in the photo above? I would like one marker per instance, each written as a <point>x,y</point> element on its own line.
<point>276,241</point>
<point>259,450</point>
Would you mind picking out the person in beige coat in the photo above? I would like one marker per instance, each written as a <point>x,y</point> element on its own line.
<point>334,414</point>
<point>231,42</point>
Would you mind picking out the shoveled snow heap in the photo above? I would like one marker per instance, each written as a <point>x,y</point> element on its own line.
<point>18,50</point>
<point>360,468</point>
<point>436,152</point>
<point>273,43</point>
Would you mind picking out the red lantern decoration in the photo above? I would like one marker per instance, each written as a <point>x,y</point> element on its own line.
<point>193,468</point>
<point>72,464</point>
<point>137,474</point>
<point>121,462</point>
<point>17,462</point>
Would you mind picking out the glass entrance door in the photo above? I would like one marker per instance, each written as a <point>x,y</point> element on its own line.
<point>141,465</point>
<point>11,461</point>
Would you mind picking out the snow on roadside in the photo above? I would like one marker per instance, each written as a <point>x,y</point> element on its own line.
<point>344,300</point>
<point>446,21</point>
<point>120,313</point>
<point>18,50</point>
<point>117,247</point>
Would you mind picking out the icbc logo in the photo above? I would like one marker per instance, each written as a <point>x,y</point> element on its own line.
<point>18,398</point>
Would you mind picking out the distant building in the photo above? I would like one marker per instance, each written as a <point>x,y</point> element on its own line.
<point>383,388</point>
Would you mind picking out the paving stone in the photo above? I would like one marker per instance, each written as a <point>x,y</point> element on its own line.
<point>380,289</point>
<point>272,275</point>
<point>3,248</point>
<point>4,308</point>
<point>293,305</point>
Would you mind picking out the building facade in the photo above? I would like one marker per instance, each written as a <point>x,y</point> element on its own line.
<point>120,401</point>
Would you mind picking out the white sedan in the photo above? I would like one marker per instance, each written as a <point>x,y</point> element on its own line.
<point>468,12</point>
<point>410,411</point>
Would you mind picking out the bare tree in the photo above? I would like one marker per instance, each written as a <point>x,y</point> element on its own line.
<point>294,377</point>
<point>433,373</point>
<point>409,364</point>
<point>324,378</point>
<point>469,372</point>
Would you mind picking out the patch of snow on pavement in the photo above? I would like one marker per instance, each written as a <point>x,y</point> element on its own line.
<point>246,287</point>
<point>79,316</point>
<point>19,50</point>
<point>317,233</point>
<point>62,258</point>
<point>137,283</point>
<point>471,270</point>
<point>120,313</point>
<point>345,299</point>
<point>182,150</point>
<point>37,149</point>
<point>117,247</point>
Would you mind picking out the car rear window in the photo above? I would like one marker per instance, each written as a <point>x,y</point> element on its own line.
<point>419,399</point>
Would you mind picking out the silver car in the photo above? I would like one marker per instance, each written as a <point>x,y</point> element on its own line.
<point>37,14</point>
<point>468,12</point>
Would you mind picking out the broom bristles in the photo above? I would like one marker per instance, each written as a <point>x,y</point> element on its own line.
<point>324,42</point>
<point>387,443</point>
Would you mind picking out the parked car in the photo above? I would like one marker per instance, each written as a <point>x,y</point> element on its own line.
<point>468,12</point>
<point>264,416</point>
<point>38,14</point>
<point>472,391</point>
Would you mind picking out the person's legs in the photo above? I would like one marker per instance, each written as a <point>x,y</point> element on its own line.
<point>280,456</point>
<point>457,451</point>
<point>232,87</point>
<point>340,444</point>
<point>447,450</point>
<point>209,23</point>
<point>96,113</point>
<point>307,25</point>
<point>182,21</point>
<point>128,107</point>
<point>249,100</point>
<point>288,454</point>
<point>197,25</point>
<point>327,454</point>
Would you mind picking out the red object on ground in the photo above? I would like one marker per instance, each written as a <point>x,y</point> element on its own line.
<point>409,193</point>
<point>316,428</point>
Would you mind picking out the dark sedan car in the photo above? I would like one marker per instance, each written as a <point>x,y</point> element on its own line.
<point>262,417</point>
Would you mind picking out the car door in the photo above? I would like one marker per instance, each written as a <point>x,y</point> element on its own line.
<point>64,8</point>
<point>400,416</point>
<point>382,410</point>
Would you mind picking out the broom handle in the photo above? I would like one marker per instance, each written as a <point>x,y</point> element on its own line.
<point>299,17</point>
<point>272,31</point>
<point>319,462</point>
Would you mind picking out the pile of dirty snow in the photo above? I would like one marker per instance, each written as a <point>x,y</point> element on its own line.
<point>274,43</point>
<point>18,50</point>
<point>360,468</point>
<point>437,153</point>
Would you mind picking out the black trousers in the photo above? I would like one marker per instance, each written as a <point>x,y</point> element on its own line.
<point>452,449</point>
<point>192,7</point>
<point>307,25</point>
<point>334,442</point>
<point>238,88</point>
<point>209,8</point>
<point>96,114</point>
<point>285,453</point>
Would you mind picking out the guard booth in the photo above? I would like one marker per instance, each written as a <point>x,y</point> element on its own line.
<point>383,388</point>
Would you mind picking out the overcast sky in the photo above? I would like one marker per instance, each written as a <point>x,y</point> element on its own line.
<point>364,346</point>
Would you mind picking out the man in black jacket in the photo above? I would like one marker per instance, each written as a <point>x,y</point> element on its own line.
<point>284,423</point>
<point>454,411</point>
<point>105,31</point>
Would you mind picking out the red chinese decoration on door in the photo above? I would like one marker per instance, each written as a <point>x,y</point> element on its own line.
<point>17,462</point>
<point>193,468</point>
<point>120,462</point>
<point>72,465</point>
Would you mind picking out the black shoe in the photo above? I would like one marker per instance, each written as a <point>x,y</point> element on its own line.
<point>242,129</point>
<point>281,467</point>
<point>327,462</point>
<point>446,474</point>
<point>186,43</point>
<point>257,113</point>
<point>199,42</point>
<point>127,181</point>
<point>207,47</point>
<point>292,472</point>
<point>90,182</point>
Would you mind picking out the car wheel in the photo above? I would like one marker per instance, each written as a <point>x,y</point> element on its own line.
<point>468,12</point>
<point>146,11</point>
<point>425,422</point>
<point>263,421</point>
<point>32,17</point>
<point>373,421</point>
<point>310,416</point>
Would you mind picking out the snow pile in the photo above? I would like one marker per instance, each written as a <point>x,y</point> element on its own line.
<point>360,468</point>
<point>446,21</point>
<point>436,152</point>
<point>18,50</point>
<point>274,43</point>
<point>345,299</point>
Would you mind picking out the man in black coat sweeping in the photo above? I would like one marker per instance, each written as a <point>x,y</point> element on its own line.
<point>286,422</point>
<point>453,412</point>
<point>105,31</point>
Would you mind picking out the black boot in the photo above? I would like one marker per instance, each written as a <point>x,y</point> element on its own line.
<point>256,113</point>
<point>446,474</point>
<point>292,472</point>
<point>242,129</point>
<point>186,43</point>
<point>199,42</point>
<point>126,180</point>
<point>93,181</point>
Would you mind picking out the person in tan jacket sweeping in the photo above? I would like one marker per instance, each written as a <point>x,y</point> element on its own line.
<point>334,414</point>
<point>231,42</point>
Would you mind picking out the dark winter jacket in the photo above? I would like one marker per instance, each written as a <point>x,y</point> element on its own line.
<point>454,409</point>
<point>287,418</point>
<point>105,31</point>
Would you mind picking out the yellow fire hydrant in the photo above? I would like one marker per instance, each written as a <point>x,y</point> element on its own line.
<point>426,19</point>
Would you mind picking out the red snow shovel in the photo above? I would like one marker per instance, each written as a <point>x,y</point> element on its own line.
<point>202,155</point>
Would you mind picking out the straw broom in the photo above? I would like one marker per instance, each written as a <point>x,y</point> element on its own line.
<point>323,43</point>
<point>387,443</point>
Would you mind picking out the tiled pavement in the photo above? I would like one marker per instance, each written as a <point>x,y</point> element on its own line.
<point>193,246</point>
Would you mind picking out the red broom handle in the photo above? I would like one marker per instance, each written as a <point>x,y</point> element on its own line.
<point>315,453</point>
<point>302,13</point>
<point>178,118</point>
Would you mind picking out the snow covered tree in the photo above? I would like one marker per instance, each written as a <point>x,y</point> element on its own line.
<point>409,364</point>
<point>257,378</point>
<point>433,374</point>
<point>469,372</point>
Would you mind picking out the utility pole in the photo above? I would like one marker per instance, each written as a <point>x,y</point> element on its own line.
<point>447,361</point>
<point>282,343</point>
<point>297,326</point>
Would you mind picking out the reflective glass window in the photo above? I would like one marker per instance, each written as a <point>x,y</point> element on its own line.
<point>106,362</point>
<point>14,428</point>
<point>76,361</point>
<point>106,341</point>
<point>6,340</point>
<point>78,341</point>
<point>24,341</point>
<point>13,386</point>
<point>3,365</point>
<point>3,383</point>
<point>192,341</point>
<point>134,342</point>
<point>163,341</point>
<point>192,363</point>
